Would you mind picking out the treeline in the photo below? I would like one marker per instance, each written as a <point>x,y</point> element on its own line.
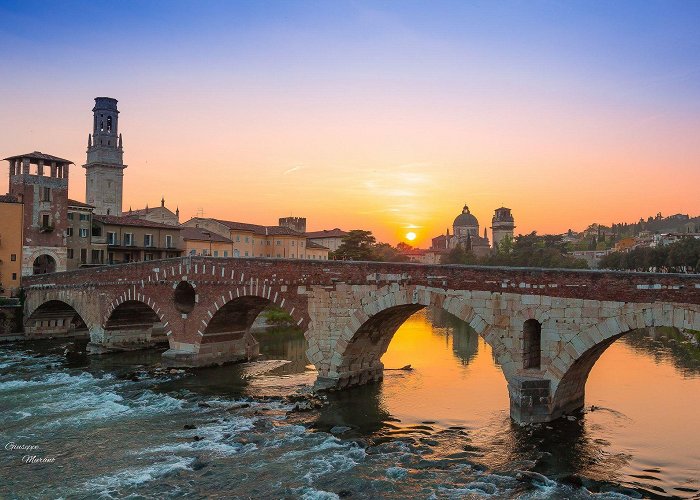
<point>525,250</point>
<point>682,256</point>
<point>362,245</point>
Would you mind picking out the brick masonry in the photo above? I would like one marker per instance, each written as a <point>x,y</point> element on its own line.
<point>350,311</point>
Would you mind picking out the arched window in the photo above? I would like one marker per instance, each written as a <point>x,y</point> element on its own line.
<point>532,344</point>
<point>109,124</point>
<point>102,126</point>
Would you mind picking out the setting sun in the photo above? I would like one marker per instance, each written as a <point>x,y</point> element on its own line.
<point>411,236</point>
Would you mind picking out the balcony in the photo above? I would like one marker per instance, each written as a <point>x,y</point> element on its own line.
<point>45,229</point>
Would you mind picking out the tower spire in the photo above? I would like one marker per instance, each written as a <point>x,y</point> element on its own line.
<point>104,169</point>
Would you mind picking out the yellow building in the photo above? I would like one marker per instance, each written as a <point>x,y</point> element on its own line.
<point>200,241</point>
<point>11,224</point>
<point>253,240</point>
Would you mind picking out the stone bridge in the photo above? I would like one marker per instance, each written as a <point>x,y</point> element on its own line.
<point>547,328</point>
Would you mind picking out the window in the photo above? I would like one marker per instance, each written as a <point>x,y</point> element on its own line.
<point>238,237</point>
<point>246,254</point>
<point>69,231</point>
<point>225,253</point>
<point>109,124</point>
<point>148,240</point>
<point>84,216</point>
<point>246,239</point>
<point>301,243</point>
<point>128,239</point>
<point>193,252</point>
<point>148,256</point>
<point>292,256</point>
<point>13,257</point>
<point>45,220</point>
<point>293,242</point>
<point>70,253</point>
<point>83,232</point>
<point>70,215</point>
<point>111,238</point>
<point>168,241</point>
<point>279,242</point>
<point>14,276</point>
<point>83,255</point>
<point>45,194</point>
<point>216,253</point>
<point>278,256</point>
<point>268,242</point>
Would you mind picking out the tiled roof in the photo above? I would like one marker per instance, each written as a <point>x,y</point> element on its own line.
<point>327,233</point>
<point>197,233</point>
<point>258,229</point>
<point>315,246</point>
<point>8,198</point>
<point>75,203</point>
<point>38,155</point>
<point>130,221</point>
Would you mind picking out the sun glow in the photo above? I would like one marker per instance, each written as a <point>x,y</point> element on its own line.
<point>411,236</point>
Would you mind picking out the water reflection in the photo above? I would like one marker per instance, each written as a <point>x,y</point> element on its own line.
<point>465,340</point>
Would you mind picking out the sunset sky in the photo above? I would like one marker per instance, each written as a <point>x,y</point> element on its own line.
<point>385,116</point>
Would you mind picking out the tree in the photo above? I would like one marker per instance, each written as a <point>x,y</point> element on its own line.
<point>356,245</point>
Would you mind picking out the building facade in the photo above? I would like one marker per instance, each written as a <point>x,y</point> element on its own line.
<point>253,240</point>
<point>40,182</point>
<point>104,170</point>
<point>86,245</point>
<point>11,228</point>
<point>135,240</point>
<point>160,214</point>
<point>198,241</point>
<point>329,238</point>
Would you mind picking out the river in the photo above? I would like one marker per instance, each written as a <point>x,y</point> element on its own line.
<point>111,427</point>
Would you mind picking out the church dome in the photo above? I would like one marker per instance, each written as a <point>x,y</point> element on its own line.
<point>465,219</point>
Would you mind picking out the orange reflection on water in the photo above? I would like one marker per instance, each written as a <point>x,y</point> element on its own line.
<point>450,383</point>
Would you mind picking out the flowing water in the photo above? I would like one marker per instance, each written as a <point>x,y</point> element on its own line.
<point>111,427</point>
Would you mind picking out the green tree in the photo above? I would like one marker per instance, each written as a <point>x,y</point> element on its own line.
<point>356,245</point>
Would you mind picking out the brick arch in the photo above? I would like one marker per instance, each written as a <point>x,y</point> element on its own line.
<point>132,295</point>
<point>243,304</point>
<point>570,369</point>
<point>55,295</point>
<point>358,351</point>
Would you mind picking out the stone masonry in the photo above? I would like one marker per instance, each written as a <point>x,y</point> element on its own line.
<point>349,312</point>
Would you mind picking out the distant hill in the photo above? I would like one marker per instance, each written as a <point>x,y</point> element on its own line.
<point>678,223</point>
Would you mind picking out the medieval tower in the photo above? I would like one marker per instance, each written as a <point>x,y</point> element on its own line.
<point>104,170</point>
<point>502,225</point>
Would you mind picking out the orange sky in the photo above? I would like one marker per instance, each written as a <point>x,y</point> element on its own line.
<point>363,116</point>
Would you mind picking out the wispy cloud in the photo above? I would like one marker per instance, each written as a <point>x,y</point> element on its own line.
<point>295,168</point>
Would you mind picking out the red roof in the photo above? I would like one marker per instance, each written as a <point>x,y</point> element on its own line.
<point>315,246</point>
<point>130,221</point>
<point>8,198</point>
<point>75,203</point>
<point>327,233</point>
<point>38,155</point>
<point>258,229</point>
<point>197,233</point>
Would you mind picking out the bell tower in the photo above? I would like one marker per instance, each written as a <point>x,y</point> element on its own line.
<point>104,170</point>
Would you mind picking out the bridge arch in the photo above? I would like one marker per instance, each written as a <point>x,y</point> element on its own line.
<point>357,356</point>
<point>134,319</point>
<point>55,317</point>
<point>570,369</point>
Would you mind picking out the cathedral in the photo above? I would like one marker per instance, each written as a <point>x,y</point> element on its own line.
<point>465,232</point>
